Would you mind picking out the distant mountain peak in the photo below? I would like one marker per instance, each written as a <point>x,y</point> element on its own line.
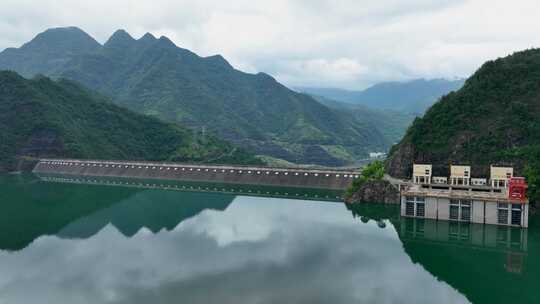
<point>148,37</point>
<point>218,60</point>
<point>64,29</point>
<point>266,76</point>
<point>167,41</point>
<point>64,35</point>
<point>413,96</point>
<point>120,37</point>
<point>48,50</point>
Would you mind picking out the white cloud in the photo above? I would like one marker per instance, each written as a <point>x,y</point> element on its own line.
<point>345,43</point>
<point>320,71</point>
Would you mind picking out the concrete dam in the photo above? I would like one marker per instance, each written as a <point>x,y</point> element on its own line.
<point>283,177</point>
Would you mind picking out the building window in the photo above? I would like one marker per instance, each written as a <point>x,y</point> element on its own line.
<point>509,214</point>
<point>502,213</point>
<point>466,206</point>
<point>454,209</point>
<point>409,209</point>
<point>415,206</point>
<point>420,209</point>
<point>502,216</point>
<point>454,212</point>
<point>516,214</point>
<point>460,210</point>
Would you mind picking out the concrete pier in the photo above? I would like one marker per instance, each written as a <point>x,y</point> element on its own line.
<point>302,178</point>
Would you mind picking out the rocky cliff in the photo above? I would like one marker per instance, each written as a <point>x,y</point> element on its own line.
<point>376,191</point>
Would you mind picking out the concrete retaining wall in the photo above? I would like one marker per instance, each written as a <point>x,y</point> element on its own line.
<point>304,178</point>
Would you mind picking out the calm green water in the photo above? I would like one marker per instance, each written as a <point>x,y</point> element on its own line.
<point>81,243</point>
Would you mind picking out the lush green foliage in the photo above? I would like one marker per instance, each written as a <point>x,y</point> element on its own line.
<point>372,172</point>
<point>41,117</point>
<point>530,157</point>
<point>153,76</point>
<point>494,118</point>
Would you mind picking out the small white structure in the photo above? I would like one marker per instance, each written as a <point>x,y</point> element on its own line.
<point>422,174</point>
<point>460,175</point>
<point>500,175</point>
<point>440,180</point>
<point>478,182</point>
<point>377,155</point>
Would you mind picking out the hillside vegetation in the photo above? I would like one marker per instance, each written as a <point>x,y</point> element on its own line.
<point>392,124</point>
<point>155,77</point>
<point>372,172</point>
<point>493,119</point>
<point>44,118</point>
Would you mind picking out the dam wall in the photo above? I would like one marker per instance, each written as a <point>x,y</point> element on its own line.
<point>198,187</point>
<point>301,178</point>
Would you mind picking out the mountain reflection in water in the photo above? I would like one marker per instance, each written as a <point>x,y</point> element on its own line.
<point>76,243</point>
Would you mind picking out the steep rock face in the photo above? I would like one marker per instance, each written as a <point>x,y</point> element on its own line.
<point>379,191</point>
<point>493,119</point>
<point>399,164</point>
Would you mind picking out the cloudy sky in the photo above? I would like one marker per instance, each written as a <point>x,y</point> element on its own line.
<point>328,43</point>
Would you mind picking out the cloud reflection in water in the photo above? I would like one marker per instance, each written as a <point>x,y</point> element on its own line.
<point>258,250</point>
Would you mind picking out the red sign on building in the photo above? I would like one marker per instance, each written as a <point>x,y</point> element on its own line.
<point>517,189</point>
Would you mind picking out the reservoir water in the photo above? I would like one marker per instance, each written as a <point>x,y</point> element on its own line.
<point>74,241</point>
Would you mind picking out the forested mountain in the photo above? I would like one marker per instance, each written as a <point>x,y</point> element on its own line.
<point>44,118</point>
<point>393,124</point>
<point>155,77</point>
<point>414,96</point>
<point>494,118</point>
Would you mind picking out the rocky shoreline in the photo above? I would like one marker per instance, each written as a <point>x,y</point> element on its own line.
<point>375,191</point>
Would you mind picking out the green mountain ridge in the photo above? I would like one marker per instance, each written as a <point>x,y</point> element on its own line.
<point>493,119</point>
<point>48,51</point>
<point>155,77</point>
<point>44,118</point>
<point>413,97</point>
<point>393,124</point>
